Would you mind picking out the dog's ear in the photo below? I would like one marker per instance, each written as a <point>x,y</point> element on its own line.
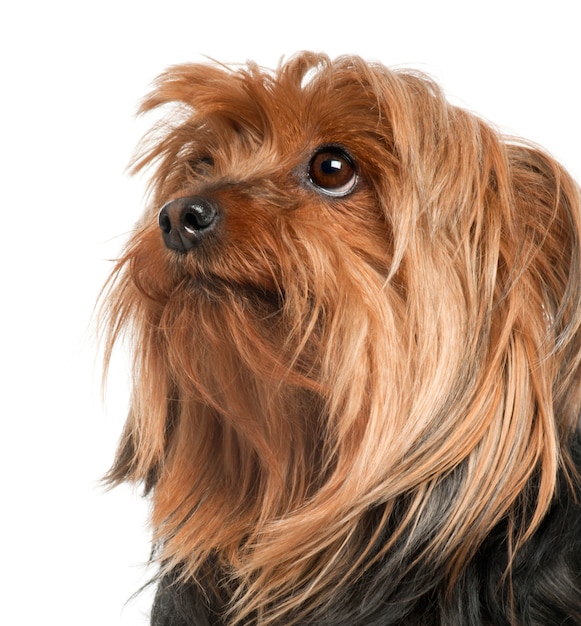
<point>526,248</point>
<point>487,251</point>
<point>546,269</point>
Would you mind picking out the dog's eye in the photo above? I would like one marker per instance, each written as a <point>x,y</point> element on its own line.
<point>332,171</point>
<point>202,165</point>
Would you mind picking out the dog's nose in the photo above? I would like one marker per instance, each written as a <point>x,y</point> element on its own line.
<point>185,221</point>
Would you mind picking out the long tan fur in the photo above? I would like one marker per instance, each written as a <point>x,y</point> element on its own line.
<point>406,357</point>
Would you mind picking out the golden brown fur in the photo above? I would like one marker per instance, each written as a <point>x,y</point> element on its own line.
<point>332,383</point>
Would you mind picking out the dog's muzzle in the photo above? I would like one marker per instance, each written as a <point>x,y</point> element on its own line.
<point>186,221</point>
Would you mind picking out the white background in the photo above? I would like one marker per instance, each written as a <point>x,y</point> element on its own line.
<point>72,74</point>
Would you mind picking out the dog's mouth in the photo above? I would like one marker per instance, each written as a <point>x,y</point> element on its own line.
<point>219,289</point>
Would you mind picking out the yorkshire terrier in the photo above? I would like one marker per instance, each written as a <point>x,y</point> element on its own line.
<point>355,319</point>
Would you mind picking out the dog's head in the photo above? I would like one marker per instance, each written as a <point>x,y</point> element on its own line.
<point>353,307</point>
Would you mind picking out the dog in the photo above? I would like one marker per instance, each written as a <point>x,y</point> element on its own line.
<point>354,311</point>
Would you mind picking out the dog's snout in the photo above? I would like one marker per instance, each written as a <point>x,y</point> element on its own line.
<point>185,221</point>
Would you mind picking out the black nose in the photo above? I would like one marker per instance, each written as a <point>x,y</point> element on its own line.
<point>185,221</point>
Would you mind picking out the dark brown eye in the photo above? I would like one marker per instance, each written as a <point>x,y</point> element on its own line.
<point>202,165</point>
<point>332,171</point>
<point>206,160</point>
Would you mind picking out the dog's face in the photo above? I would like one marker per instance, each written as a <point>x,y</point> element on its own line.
<point>346,297</point>
<point>269,186</point>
